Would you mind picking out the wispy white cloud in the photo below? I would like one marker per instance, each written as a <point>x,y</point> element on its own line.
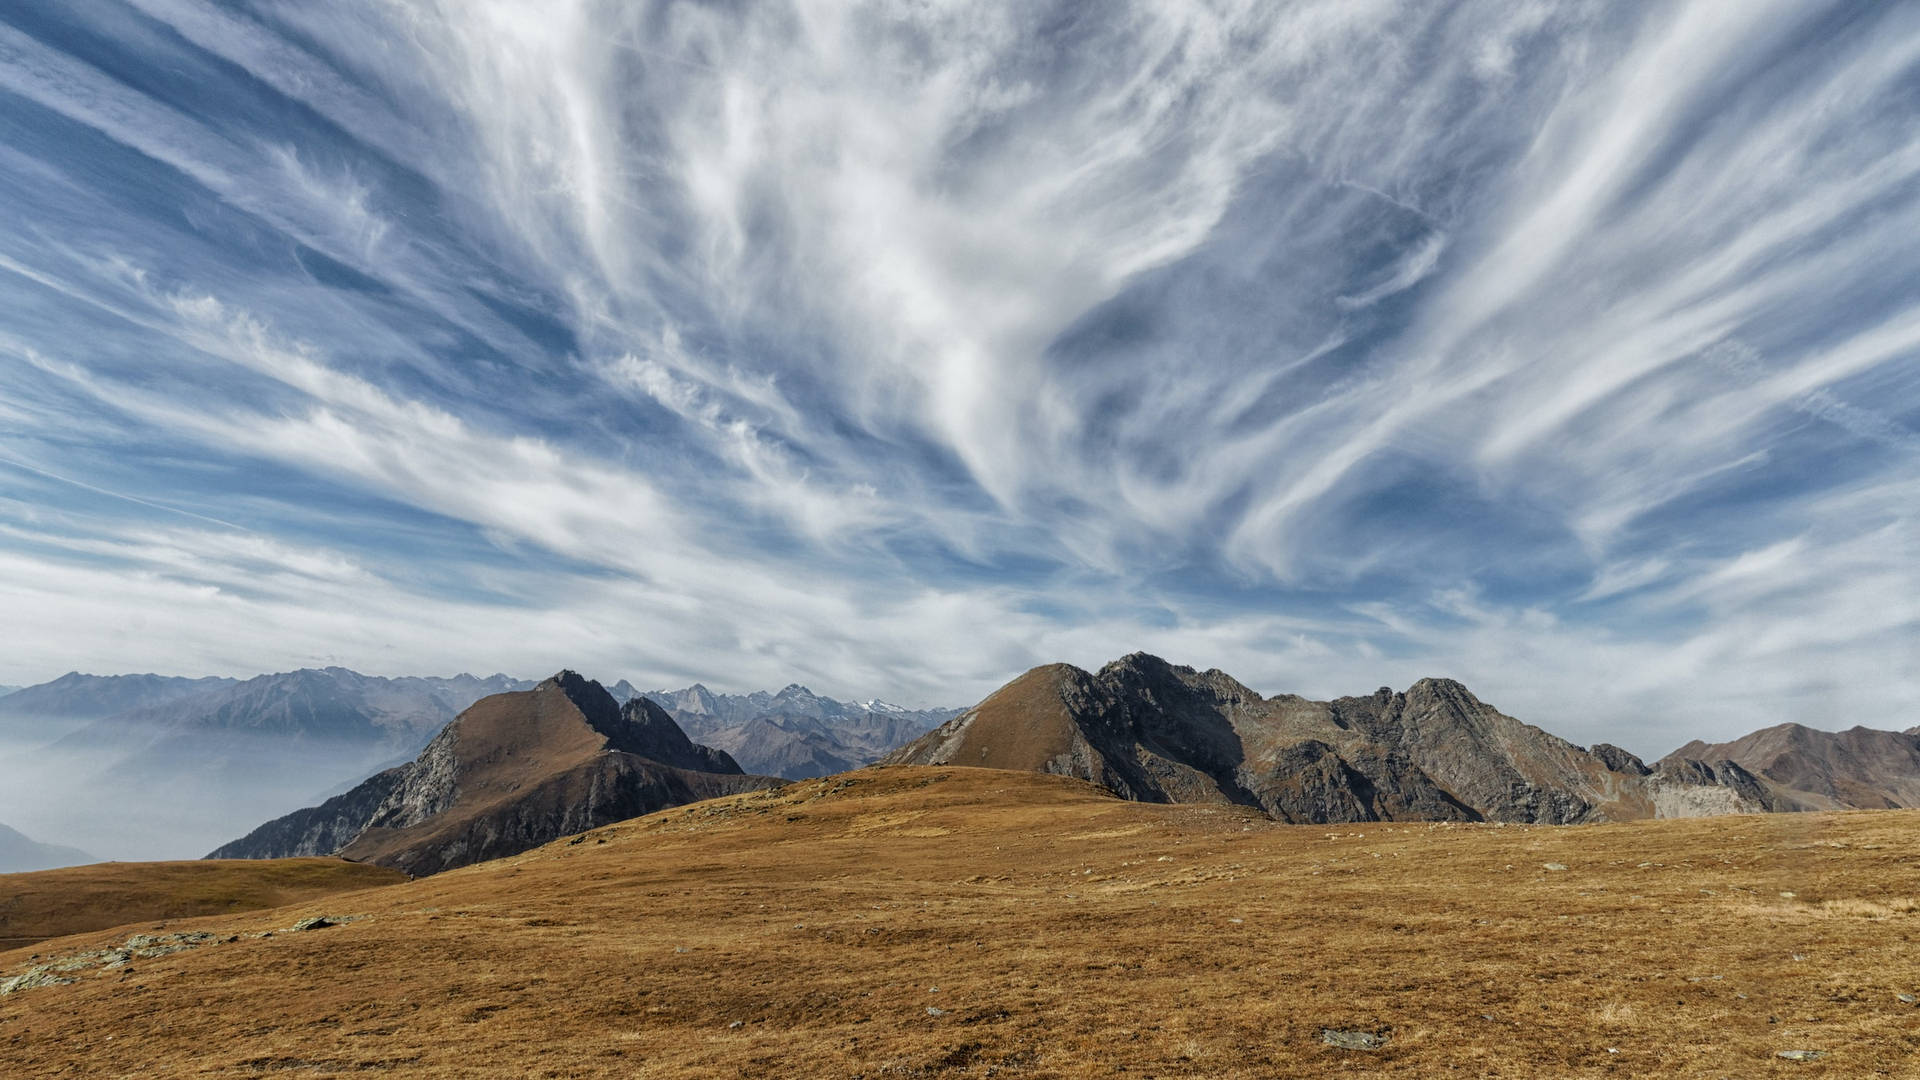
<point>1548,345</point>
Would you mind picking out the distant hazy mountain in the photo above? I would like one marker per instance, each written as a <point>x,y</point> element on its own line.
<point>19,854</point>
<point>1148,730</point>
<point>513,772</point>
<point>794,733</point>
<point>320,707</point>
<point>5,690</point>
<point>171,777</point>
<point>51,709</point>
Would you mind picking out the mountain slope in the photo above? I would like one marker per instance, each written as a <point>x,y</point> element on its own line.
<point>1857,769</point>
<point>512,772</point>
<point>1151,731</point>
<point>19,853</point>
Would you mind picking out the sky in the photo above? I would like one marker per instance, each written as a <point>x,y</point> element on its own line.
<point>1570,350</point>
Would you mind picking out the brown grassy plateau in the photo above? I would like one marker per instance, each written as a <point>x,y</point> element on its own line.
<point>967,922</point>
<point>54,903</point>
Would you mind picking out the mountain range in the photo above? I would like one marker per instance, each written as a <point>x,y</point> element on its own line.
<point>1152,731</point>
<point>183,761</point>
<point>512,772</point>
<point>51,709</point>
<point>794,733</point>
<point>172,761</point>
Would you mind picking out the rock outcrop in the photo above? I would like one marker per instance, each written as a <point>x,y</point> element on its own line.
<point>513,771</point>
<point>1687,787</point>
<point>1152,731</point>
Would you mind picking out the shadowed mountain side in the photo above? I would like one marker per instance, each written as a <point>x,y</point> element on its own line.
<point>54,903</point>
<point>512,772</point>
<point>1857,769</point>
<point>1150,731</point>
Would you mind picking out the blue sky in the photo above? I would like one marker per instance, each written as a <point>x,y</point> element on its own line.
<point>1567,349</point>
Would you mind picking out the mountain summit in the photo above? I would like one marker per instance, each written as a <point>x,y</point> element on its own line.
<point>512,772</point>
<point>1156,732</point>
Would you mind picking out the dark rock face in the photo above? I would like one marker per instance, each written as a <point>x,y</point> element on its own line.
<point>1152,731</point>
<point>1620,761</point>
<point>514,771</point>
<point>645,729</point>
<point>1311,783</point>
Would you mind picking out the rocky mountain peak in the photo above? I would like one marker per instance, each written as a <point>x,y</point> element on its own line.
<point>1439,689</point>
<point>1619,760</point>
<point>1142,664</point>
<point>514,770</point>
<point>592,699</point>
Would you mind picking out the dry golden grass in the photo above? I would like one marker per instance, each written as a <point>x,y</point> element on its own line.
<point>812,932</point>
<point>53,903</point>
